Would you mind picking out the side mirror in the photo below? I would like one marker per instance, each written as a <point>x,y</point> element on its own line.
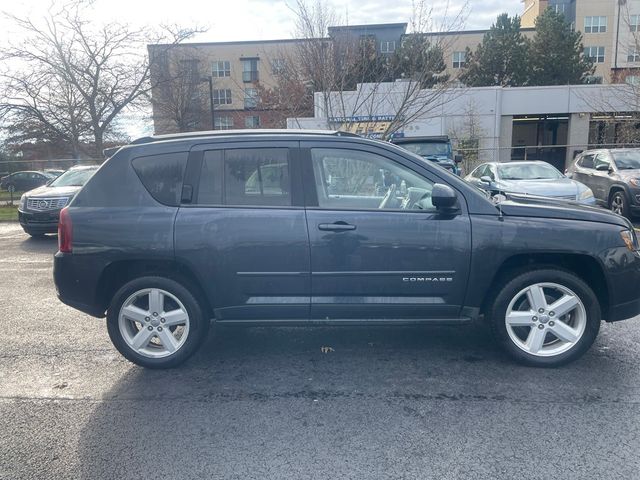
<point>603,167</point>
<point>443,197</point>
<point>486,180</point>
<point>457,158</point>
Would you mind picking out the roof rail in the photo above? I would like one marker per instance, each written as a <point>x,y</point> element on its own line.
<point>222,133</point>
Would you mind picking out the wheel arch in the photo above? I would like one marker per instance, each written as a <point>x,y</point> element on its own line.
<point>617,187</point>
<point>584,266</point>
<point>117,273</point>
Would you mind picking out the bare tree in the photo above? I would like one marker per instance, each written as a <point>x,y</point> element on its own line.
<point>357,88</point>
<point>74,78</point>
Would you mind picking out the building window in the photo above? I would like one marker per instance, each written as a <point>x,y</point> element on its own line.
<point>222,97</point>
<point>252,121</point>
<point>596,54</point>
<point>387,47</point>
<point>633,55</point>
<point>595,24</point>
<point>221,68</point>
<point>593,80</point>
<point>459,59</point>
<point>278,65</point>
<point>559,8</point>
<point>223,123</point>
<point>249,70</point>
<point>634,21</point>
<point>632,80</point>
<point>250,98</point>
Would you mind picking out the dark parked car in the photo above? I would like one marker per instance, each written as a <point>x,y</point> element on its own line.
<point>614,177</point>
<point>39,209</point>
<point>251,228</point>
<point>435,149</point>
<point>529,178</point>
<point>23,181</point>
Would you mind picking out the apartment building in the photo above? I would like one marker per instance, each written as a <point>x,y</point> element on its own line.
<point>203,85</point>
<point>230,75</point>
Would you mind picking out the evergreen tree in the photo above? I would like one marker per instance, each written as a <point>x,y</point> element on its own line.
<point>501,58</point>
<point>556,52</point>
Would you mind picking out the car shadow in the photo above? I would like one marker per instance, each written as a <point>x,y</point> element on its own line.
<point>244,381</point>
<point>45,244</point>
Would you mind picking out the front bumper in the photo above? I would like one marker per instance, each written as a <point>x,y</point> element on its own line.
<point>40,222</point>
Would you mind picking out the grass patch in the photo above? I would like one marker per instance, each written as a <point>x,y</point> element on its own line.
<point>8,212</point>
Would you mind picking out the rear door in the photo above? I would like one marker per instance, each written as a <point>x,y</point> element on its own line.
<point>584,172</point>
<point>244,230</point>
<point>379,250</point>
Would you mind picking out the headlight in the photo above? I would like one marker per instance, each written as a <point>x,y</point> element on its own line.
<point>585,194</point>
<point>630,240</point>
<point>23,202</point>
<point>635,182</point>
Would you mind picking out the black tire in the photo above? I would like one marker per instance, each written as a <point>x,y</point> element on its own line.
<point>521,280</point>
<point>619,203</point>
<point>198,323</point>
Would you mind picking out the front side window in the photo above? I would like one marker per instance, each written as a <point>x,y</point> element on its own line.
<point>222,96</point>
<point>602,161</point>
<point>596,54</point>
<point>352,179</point>
<point>249,176</point>
<point>459,59</point>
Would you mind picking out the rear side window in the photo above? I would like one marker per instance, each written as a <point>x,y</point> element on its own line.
<point>162,175</point>
<point>249,176</point>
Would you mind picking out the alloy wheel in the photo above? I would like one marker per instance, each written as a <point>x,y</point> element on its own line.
<point>154,323</point>
<point>546,319</point>
<point>617,204</point>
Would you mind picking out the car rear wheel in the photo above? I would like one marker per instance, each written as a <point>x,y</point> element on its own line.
<point>618,204</point>
<point>545,318</point>
<point>156,322</point>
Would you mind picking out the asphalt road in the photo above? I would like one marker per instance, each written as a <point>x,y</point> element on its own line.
<point>256,403</point>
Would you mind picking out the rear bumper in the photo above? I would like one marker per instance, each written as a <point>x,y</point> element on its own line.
<point>74,287</point>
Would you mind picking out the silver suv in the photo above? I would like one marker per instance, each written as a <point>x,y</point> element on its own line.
<point>613,175</point>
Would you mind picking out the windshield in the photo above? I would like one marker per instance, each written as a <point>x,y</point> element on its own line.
<point>73,178</point>
<point>529,171</point>
<point>627,160</point>
<point>425,149</point>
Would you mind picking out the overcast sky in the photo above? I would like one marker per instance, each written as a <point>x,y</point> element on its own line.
<point>255,19</point>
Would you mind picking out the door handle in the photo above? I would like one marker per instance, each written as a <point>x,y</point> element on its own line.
<point>336,227</point>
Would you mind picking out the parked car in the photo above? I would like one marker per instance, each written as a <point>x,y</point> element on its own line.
<point>529,178</point>
<point>436,149</point>
<point>40,208</point>
<point>613,175</point>
<point>175,230</point>
<point>22,181</point>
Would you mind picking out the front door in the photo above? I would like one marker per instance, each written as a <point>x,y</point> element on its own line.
<point>379,249</point>
<point>244,230</point>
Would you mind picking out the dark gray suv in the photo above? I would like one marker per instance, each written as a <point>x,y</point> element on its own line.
<point>613,176</point>
<point>307,228</point>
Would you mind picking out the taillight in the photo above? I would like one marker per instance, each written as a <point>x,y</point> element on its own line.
<point>65,231</point>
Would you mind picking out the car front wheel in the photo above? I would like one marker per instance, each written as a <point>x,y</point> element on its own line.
<point>545,318</point>
<point>619,204</point>
<point>156,322</point>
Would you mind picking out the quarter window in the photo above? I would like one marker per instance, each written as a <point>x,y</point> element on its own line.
<point>351,179</point>
<point>162,175</point>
